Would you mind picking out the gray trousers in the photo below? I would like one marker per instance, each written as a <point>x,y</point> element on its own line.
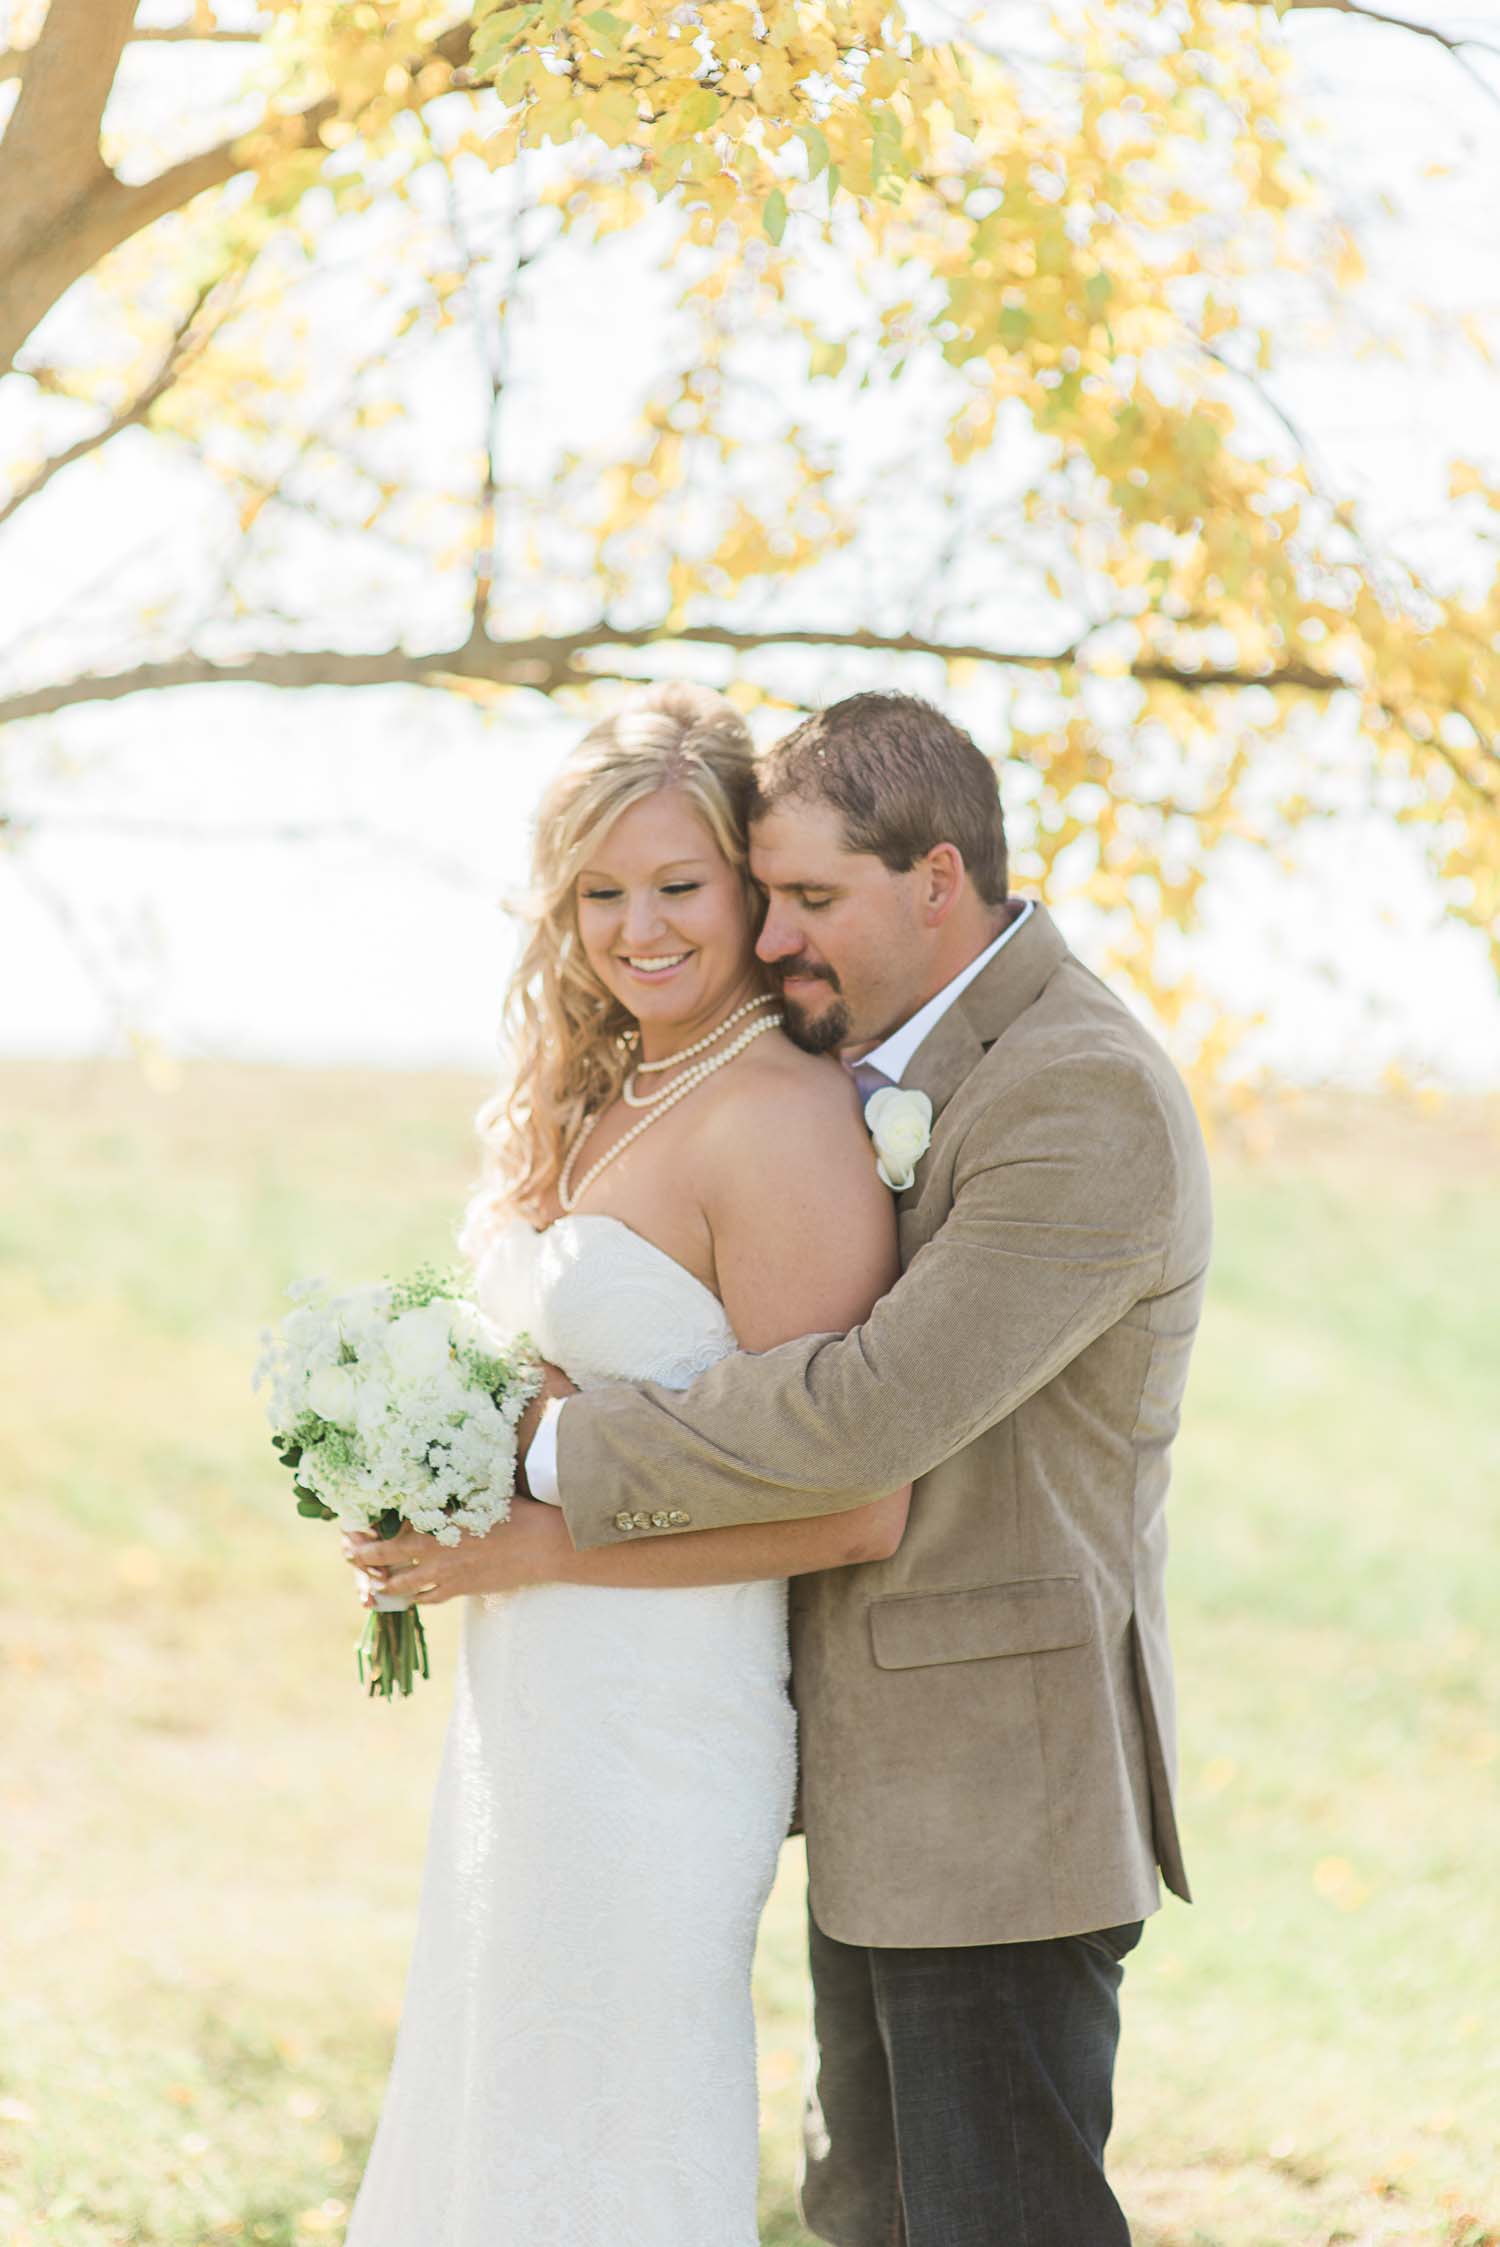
<point>962,2098</point>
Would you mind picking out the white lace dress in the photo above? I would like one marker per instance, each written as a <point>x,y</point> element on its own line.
<point>576,2059</point>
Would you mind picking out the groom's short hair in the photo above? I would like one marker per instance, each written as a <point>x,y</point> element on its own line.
<point>902,778</point>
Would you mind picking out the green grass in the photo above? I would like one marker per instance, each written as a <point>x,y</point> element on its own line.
<point>212,1843</point>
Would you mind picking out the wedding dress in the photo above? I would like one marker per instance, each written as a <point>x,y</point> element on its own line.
<point>576,2060</point>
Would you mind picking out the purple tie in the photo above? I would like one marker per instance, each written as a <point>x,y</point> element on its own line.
<point>870,1081</point>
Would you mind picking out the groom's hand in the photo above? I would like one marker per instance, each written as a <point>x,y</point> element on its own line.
<point>532,1547</point>
<point>555,1383</point>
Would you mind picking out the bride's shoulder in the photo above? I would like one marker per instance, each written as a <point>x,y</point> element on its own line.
<point>787,1156</point>
<point>777,1092</point>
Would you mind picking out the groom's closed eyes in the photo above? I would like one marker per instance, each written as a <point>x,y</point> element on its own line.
<point>811,900</point>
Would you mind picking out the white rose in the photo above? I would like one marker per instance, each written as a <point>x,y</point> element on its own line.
<point>900,1124</point>
<point>370,1402</point>
<point>417,1342</point>
<point>332,1395</point>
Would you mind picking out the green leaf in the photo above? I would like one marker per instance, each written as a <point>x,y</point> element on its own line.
<point>698,111</point>
<point>773,216</point>
<point>514,19</point>
<point>608,29</point>
<point>885,144</point>
<point>514,81</point>
<point>313,1509</point>
<point>817,149</point>
<point>496,37</point>
<point>673,159</point>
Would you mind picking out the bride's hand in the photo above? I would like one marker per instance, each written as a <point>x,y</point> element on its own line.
<point>532,1547</point>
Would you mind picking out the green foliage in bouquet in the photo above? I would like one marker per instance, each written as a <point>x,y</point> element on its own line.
<point>395,1406</point>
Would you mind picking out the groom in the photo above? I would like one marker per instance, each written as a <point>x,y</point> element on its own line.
<point>987,1716</point>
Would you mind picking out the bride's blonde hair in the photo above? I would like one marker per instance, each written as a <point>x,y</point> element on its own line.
<point>570,1040</point>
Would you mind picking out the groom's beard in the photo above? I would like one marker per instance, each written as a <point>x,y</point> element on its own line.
<point>815,1033</point>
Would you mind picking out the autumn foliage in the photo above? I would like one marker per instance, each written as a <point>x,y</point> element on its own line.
<point>1052,253</point>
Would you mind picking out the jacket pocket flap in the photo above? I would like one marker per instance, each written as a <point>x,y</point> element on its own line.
<point>914,1629</point>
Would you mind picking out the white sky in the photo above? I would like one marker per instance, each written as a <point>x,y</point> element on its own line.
<point>164,843</point>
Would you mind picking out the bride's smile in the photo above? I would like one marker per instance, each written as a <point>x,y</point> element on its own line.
<point>655,970</point>
<point>665,922</point>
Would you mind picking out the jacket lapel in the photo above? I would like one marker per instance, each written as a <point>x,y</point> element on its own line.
<point>1013,981</point>
<point>946,1055</point>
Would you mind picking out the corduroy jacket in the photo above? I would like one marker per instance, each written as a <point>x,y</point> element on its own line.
<point>987,1718</point>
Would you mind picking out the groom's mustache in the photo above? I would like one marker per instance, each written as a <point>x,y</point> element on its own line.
<point>784,970</point>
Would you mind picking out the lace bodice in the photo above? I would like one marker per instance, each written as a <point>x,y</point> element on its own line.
<point>603,1302</point>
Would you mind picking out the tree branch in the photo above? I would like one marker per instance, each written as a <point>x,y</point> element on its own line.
<point>53,135</point>
<point>54,239</point>
<point>491,352</point>
<point>104,215</point>
<point>183,34</point>
<point>523,663</point>
<point>1454,41</point>
<point>1149,668</point>
<point>14,60</point>
<point>546,663</point>
<point>183,346</point>
<point>1459,44</point>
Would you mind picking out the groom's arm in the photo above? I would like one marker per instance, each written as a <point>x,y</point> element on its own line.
<point>1065,1197</point>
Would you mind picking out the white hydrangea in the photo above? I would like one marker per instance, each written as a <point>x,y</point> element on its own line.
<point>398,1400</point>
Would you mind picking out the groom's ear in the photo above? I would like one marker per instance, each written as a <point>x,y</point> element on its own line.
<point>943,874</point>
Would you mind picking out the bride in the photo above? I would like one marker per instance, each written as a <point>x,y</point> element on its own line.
<point>669,1179</point>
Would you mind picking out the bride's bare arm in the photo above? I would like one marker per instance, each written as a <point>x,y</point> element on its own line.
<point>534,1547</point>
<point>804,1242</point>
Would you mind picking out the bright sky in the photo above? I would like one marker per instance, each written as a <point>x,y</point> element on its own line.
<point>316,877</point>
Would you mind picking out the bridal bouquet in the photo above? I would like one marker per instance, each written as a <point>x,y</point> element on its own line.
<point>397,1404</point>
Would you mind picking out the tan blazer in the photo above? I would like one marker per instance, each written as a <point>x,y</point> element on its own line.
<point>987,1718</point>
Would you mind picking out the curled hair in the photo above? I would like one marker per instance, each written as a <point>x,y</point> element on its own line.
<point>570,1040</point>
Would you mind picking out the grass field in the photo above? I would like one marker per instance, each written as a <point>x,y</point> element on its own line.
<point>212,1843</point>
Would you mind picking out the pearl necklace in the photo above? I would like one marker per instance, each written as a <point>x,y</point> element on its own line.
<point>569,1195</point>
<point>628,1090</point>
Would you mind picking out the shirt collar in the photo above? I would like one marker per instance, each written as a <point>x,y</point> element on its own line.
<point>894,1054</point>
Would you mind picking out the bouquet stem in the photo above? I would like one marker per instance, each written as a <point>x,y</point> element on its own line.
<point>392,1652</point>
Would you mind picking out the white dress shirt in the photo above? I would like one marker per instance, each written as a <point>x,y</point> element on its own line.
<point>892,1057</point>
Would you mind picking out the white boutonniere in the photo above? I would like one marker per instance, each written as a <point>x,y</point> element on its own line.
<point>900,1124</point>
